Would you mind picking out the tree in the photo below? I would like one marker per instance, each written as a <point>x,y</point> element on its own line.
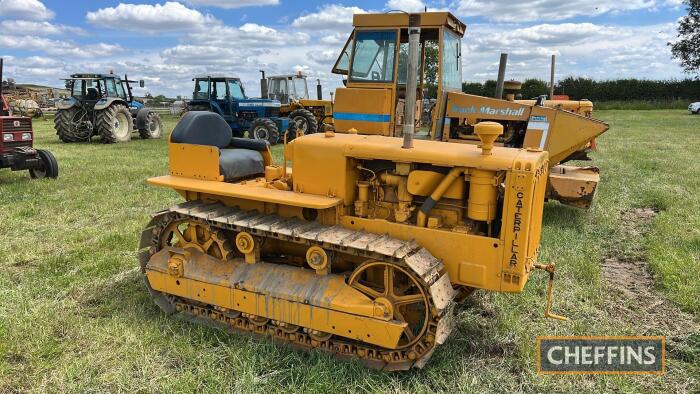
<point>687,48</point>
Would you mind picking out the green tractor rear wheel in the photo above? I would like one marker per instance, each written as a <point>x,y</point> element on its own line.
<point>114,124</point>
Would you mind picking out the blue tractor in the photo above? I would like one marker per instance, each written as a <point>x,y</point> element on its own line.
<point>103,105</point>
<point>226,96</point>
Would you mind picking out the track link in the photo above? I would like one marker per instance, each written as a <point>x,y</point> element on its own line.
<point>407,254</point>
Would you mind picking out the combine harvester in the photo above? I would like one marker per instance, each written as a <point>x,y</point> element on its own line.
<point>362,248</point>
<point>374,61</point>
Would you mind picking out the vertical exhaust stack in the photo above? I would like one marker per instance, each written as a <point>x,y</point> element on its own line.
<point>501,76</point>
<point>551,79</point>
<point>319,90</point>
<point>411,79</point>
<point>263,85</point>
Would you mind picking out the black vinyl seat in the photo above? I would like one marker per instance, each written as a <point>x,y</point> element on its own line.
<point>239,158</point>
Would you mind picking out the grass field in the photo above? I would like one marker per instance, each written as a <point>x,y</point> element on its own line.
<point>75,316</point>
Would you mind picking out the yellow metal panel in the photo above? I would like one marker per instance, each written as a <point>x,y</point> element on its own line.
<point>461,105</point>
<point>567,133</point>
<point>369,111</point>
<point>423,183</point>
<point>452,248</point>
<point>194,161</point>
<point>427,19</point>
<point>574,186</point>
<point>320,168</point>
<point>324,303</point>
<point>251,190</point>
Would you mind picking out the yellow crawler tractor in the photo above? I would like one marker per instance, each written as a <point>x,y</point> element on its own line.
<point>375,62</point>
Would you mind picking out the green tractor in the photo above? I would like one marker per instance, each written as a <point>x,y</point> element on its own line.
<point>103,105</point>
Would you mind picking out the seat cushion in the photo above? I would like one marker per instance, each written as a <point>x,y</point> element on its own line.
<point>202,128</point>
<point>237,164</point>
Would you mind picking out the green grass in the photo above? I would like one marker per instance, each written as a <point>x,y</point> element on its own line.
<point>75,316</point>
<point>641,104</point>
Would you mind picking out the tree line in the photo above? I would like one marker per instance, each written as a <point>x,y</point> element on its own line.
<point>609,90</point>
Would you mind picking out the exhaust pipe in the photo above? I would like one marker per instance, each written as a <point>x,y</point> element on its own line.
<point>319,90</point>
<point>409,119</point>
<point>263,85</point>
<point>501,76</point>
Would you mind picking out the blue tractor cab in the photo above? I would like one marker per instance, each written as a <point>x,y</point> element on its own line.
<point>226,97</point>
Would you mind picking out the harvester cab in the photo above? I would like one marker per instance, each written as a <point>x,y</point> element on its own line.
<point>226,97</point>
<point>103,105</point>
<point>17,150</point>
<point>375,63</point>
<point>309,115</point>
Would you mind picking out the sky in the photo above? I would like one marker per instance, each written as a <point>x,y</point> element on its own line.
<point>166,43</point>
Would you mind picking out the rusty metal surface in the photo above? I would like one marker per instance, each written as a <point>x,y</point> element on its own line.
<point>372,246</point>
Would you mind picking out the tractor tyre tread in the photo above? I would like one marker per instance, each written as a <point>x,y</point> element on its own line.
<point>104,120</point>
<point>273,134</point>
<point>146,133</point>
<point>311,120</point>
<point>62,124</point>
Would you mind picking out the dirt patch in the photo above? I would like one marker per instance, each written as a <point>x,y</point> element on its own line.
<point>633,295</point>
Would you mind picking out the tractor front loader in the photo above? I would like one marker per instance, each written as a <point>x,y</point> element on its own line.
<point>103,105</point>
<point>374,60</point>
<point>361,249</point>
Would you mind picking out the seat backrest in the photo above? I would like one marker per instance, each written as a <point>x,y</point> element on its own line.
<point>202,128</point>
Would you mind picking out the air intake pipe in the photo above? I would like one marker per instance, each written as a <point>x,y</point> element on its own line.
<point>411,80</point>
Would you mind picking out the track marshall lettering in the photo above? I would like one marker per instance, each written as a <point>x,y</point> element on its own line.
<point>601,355</point>
<point>517,220</point>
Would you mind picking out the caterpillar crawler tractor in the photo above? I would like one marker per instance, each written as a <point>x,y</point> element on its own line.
<point>374,61</point>
<point>103,105</point>
<point>292,91</point>
<point>364,256</point>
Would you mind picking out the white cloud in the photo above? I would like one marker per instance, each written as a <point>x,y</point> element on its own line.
<point>329,17</point>
<point>543,10</point>
<point>233,3</point>
<point>406,5</point>
<point>58,47</point>
<point>38,28</point>
<point>171,16</point>
<point>249,35</point>
<point>25,9</point>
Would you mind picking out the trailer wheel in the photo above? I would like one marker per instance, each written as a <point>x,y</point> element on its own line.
<point>154,127</point>
<point>264,129</point>
<point>305,120</point>
<point>49,166</point>
<point>114,124</point>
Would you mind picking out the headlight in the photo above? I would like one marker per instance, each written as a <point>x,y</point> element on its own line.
<point>26,136</point>
<point>7,137</point>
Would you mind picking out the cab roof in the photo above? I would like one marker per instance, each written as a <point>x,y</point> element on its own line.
<point>214,77</point>
<point>91,76</point>
<point>400,19</point>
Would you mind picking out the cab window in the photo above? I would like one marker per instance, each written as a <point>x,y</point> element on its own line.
<point>120,89</point>
<point>300,88</point>
<point>201,89</point>
<point>451,61</point>
<point>111,88</point>
<point>343,63</point>
<point>236,89</point>
<point>373,57</point>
